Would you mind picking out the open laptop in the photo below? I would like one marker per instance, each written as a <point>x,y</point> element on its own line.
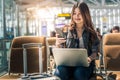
<point>70,57</point>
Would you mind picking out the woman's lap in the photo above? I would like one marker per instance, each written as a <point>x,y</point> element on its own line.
<point>79,73</point>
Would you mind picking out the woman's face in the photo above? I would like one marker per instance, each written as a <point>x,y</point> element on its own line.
<point>77,17</point>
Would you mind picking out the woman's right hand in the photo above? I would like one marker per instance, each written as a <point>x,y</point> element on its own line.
<point>59,41</point>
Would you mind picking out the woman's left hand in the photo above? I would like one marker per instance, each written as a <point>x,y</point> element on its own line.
<point>89,60</point>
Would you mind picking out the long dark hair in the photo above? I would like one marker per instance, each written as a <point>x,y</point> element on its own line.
<point>87,21</point>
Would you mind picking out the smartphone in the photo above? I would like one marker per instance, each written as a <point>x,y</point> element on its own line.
<point>59,31</point>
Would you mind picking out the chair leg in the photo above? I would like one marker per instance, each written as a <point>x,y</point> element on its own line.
<point>8,73</point>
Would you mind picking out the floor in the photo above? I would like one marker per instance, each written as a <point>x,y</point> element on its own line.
<point>10,77</point>
<point>17,77</point>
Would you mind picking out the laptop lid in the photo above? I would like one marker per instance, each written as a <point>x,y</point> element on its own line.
<point>70,57</point>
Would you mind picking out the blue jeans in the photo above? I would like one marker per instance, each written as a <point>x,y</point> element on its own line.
<point>78,73</point>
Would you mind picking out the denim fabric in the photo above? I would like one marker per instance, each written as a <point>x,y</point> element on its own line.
<point>77,73</point>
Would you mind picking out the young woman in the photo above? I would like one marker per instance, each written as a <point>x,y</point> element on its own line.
<point>81,34</point>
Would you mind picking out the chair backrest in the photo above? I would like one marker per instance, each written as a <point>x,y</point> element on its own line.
<point>18,41</point>
<point>50,43</point>
<point>111,51</point>
<point>51,40</point>
<point>16,54</point>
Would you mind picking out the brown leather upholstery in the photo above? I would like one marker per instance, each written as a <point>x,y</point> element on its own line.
<point>16,54</point>
<point>51,40</point>
<point>111,51</point>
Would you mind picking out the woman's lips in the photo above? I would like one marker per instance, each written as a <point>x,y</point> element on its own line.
<point>77,19</point>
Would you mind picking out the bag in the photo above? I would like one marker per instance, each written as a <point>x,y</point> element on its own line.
<point>96,77</point>
<point>111,76</point>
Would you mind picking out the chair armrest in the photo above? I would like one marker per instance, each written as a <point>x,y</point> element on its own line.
<point>31,45</point>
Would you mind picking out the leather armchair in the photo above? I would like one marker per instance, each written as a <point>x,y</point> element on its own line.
<point>111,53</point>
<point>16,54</point>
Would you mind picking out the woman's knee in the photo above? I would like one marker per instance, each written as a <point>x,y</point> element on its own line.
<point>61,72</point>
<point>80,74</point>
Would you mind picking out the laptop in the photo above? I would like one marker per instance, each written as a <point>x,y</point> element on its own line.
<point>70,57</point>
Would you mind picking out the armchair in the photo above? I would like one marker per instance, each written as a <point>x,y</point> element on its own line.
<point>111,54</point>
<point>16,54</point>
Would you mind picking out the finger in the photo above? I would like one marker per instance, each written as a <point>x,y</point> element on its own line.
<point>89,60</point>
<point>63,41</point>
<point>57,35</point>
